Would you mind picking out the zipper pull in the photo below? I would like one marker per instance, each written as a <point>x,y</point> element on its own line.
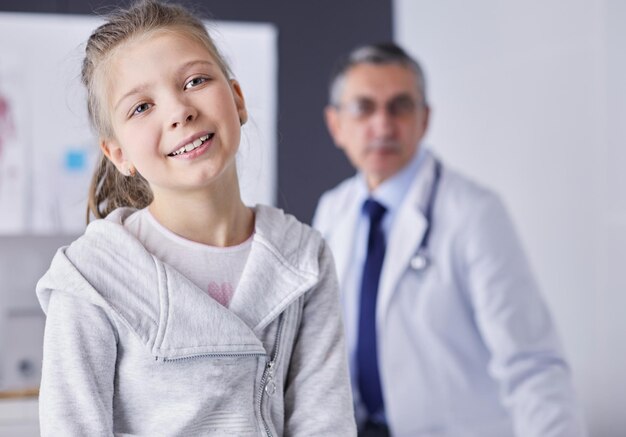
<point>270,385</point>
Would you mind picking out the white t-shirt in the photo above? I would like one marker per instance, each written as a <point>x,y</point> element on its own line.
<point>216,270</point>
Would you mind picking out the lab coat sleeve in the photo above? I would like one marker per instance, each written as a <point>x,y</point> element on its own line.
<point>76,393</point>
<point>514,321</point>
<point>318,399</point>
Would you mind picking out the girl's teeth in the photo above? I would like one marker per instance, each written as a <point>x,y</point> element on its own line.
<point>189,147</point>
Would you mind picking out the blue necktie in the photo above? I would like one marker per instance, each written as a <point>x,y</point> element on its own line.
<point>366,350</point>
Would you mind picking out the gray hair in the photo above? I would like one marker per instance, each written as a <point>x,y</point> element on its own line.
<point>377,54</point>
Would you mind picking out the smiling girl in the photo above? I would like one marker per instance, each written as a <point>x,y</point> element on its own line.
<point>181,311</point>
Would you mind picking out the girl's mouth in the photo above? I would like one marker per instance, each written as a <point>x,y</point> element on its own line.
<point>192,146</point>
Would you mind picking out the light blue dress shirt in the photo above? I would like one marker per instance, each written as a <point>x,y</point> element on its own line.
<point>390,194</point>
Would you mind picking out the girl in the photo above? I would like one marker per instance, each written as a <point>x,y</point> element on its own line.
<point>180,311</point>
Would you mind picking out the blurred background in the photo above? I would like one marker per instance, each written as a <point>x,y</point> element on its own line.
<point>528,97</point>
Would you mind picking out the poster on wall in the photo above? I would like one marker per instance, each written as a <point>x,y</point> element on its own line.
<point>13,139</point>
<point>47,148</point>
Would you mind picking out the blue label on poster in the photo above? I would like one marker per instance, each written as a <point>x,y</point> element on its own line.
<point>75,160</point>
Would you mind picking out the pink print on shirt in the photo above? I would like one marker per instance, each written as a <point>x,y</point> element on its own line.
<point>222,293</point>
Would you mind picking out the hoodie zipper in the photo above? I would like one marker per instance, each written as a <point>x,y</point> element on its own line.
<point>268,386</point>
<point>211,355</point>
<point>267,380</point>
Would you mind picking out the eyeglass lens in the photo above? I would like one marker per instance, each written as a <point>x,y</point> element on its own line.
<point>397,107</point>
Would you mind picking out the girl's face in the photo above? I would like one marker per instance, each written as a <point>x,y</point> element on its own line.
<point>176,118</point>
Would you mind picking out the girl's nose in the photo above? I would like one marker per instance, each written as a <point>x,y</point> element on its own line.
<point>182,115</point>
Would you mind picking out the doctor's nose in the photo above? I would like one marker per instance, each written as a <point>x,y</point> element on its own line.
<point>382,123</point>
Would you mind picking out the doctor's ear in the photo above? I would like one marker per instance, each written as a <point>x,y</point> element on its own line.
<point>333,123</point>
<point>426,119</point>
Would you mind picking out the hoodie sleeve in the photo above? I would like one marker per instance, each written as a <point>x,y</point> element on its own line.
<point>318,399</point>
<point>76,393</point>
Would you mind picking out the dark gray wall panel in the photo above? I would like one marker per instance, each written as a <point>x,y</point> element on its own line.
<point>312,34</point>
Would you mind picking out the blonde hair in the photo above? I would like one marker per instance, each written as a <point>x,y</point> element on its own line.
<point>109,188</point>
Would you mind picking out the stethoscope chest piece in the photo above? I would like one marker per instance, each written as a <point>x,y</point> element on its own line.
<point>419,261</point>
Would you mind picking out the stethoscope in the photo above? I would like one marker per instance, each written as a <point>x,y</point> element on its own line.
<point>421,260</point>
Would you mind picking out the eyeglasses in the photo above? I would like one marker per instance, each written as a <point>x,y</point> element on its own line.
<point>398,107</point>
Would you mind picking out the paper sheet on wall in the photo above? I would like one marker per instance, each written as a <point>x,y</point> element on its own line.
<point>47,149</point>
<point>12,147</point>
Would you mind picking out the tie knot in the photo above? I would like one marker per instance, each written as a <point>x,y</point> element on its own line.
<point>374,210</point>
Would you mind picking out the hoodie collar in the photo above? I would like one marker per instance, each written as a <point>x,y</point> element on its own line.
<point>169,313</point>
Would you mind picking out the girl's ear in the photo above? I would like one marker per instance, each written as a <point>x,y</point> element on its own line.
<point>240,102</point>
<point>115,154</point>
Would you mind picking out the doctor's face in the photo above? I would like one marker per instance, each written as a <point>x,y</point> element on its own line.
<point>380,119</point>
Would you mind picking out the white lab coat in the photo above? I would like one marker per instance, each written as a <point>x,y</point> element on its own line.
<point>466,347</point>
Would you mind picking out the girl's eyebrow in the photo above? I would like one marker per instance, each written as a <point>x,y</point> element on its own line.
<point>141,88</point>
<point>194,63</point>
<point>137,90</point>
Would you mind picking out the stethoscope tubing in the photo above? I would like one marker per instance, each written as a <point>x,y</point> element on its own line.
<point>421,259</point>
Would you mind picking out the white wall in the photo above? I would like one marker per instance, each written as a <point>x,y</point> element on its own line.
<point>528,97</point>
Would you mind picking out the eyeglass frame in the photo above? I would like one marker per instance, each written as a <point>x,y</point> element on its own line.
<point>402,105</point>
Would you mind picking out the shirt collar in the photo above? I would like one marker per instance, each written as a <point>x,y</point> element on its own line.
<point>391,192</point>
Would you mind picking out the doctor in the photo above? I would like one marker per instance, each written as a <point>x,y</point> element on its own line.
<point>448,334</point>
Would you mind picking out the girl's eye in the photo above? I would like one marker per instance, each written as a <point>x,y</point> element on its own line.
<point>143,107</point>
<point>195,82</point>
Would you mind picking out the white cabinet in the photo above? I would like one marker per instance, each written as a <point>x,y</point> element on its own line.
<point>19,417</point>
<point>23,260</point>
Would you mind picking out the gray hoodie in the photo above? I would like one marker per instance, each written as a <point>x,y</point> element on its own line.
<point>132,347</point>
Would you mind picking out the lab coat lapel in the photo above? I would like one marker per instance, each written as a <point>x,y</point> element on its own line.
<point>405,236</point>
<point>342,239</point>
